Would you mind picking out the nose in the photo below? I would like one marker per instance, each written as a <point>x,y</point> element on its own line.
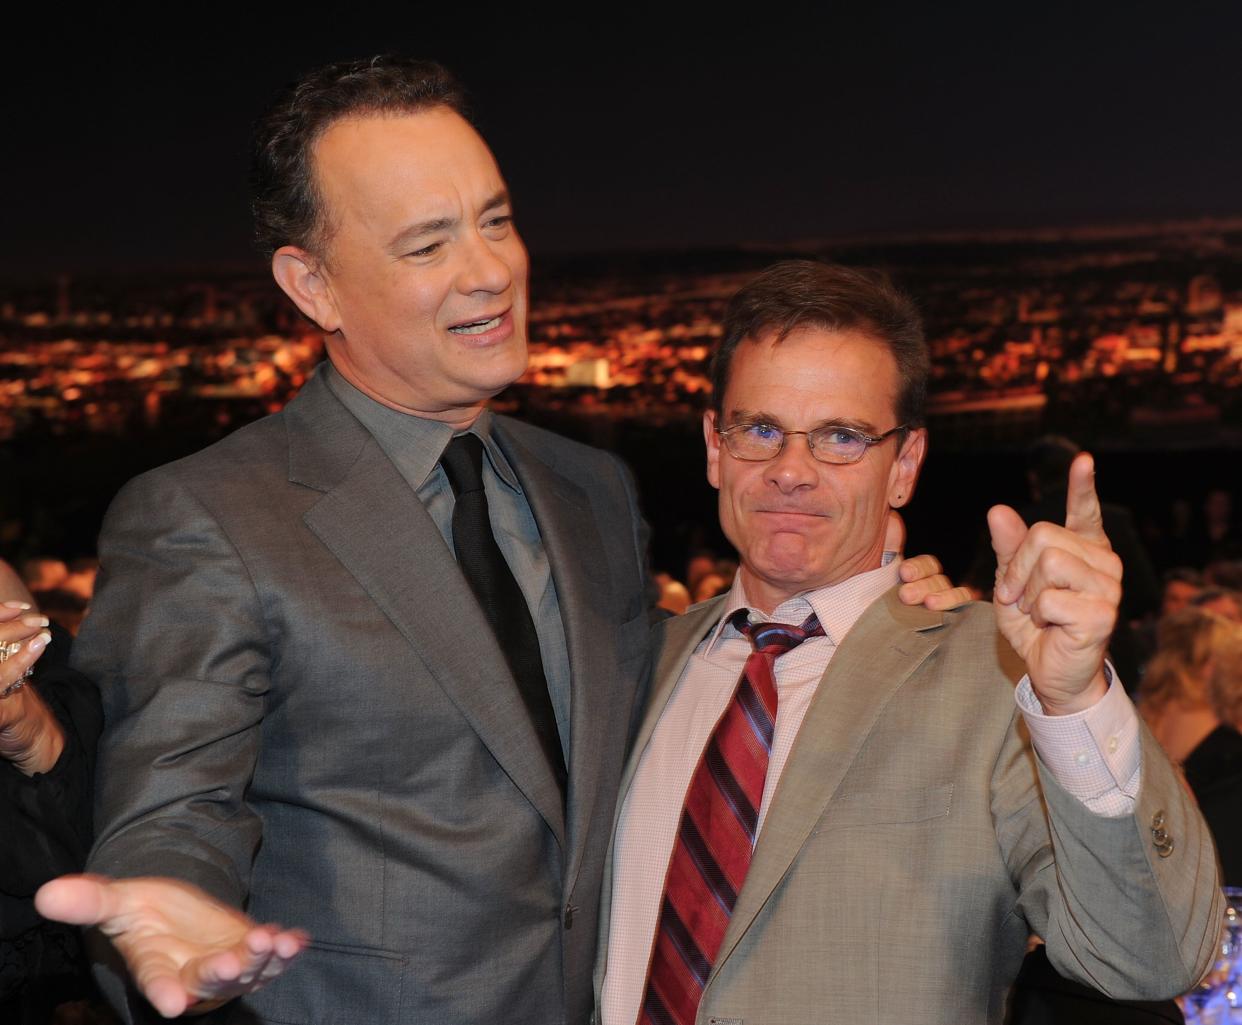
<point>794,467</point>
<point>489,265</point>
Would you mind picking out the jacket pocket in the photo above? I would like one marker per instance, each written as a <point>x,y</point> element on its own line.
<point>335,984</point>
<point>874,807</point>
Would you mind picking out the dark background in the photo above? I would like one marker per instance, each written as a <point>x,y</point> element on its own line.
<point>126,153</point>
<point>126,140</point>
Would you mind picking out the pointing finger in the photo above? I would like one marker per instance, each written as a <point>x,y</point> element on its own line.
<point>1082,505</point>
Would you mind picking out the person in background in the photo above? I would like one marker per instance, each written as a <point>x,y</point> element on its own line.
<point>49,724</point>
<point>42,573</point>
<point>674,598</point>
<point>1220,601</point>
<point>1214,768</point>
<point>1181,584</point>
<point>1191,699</point>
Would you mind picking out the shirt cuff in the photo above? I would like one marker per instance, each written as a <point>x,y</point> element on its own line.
<point>1093,754</point>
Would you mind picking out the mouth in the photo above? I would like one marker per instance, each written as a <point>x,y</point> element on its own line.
<point>478,327</point>
<point>809,513</point>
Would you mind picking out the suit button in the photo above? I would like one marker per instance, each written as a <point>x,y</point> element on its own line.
<point>1157,820</point>
<point>569,916</point>
<point>1159,836</point>
<point>1165,849</point>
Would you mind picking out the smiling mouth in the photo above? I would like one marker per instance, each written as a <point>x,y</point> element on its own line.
<point>478,327</point>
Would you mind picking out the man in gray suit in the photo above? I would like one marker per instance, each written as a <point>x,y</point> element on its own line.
<point>833,811</point>
<point>309,714</point>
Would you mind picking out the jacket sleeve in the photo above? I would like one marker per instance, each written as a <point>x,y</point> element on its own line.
<point>176,641</point>
<point>1115,914</point>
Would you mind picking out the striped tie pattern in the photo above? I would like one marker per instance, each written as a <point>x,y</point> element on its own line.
<point>717,832</point>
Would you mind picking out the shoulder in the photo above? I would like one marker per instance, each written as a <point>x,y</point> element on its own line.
<point>563,454</point>
<point>962,643</point>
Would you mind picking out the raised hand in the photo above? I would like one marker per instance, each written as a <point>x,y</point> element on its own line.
<point>1057,594</point>
<point>184,949</point>
<point>923,578</point>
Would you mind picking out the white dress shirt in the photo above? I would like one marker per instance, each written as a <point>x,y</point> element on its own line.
<point>1093,754</point>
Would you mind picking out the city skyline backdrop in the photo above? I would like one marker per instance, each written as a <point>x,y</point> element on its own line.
<point>128,143</point>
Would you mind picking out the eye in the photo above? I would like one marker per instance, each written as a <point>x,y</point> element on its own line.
<point>761,432</point>
<point>430,250</point>
<point>499,222</point>
<point>838,436</point>
<point>838,444</point>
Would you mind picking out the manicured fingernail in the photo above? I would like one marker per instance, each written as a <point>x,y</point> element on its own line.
<point>40,642</point>
<point>35,620</point>
<point>23,605</point>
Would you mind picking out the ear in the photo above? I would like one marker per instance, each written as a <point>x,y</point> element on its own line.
<point>300,275</point>
<point>905,472</point>
<point>712,440</point>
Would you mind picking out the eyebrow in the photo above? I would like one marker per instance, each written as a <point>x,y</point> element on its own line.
<point>746,416</point>
<point>413,232</point>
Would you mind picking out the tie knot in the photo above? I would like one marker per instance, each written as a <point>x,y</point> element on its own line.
<point>463,464</point>
<point>775,638</point>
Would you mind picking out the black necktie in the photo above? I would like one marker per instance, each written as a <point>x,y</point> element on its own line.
<point>489,576</point>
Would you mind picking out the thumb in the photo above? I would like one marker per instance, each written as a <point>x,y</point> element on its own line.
<point>78,900</point>
<point>894,533</point>
<point>1008,531</point>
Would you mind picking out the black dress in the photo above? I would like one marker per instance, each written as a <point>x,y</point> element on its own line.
<point>1214,772</point>
<point>45,831</point>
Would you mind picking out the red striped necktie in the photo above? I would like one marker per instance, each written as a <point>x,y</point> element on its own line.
<point>717,832</point>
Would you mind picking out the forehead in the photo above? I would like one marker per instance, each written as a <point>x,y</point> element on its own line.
<point>814,374</point>
<point>394,165</point>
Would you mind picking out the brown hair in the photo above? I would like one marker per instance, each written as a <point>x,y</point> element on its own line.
<point>285,202</point>
<point>804,293</point>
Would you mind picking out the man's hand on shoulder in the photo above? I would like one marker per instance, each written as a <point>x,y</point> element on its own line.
<point>184,949</point>
<point>1057,594</point>
<point>923,578</point>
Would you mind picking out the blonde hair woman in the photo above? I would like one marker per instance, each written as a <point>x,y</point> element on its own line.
<point>1191,698</point>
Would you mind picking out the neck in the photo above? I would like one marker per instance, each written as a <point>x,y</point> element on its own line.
<point>459,418</point>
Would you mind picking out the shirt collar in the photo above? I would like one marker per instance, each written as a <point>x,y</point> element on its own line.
<point>838,606</point>
<point>415,444</point>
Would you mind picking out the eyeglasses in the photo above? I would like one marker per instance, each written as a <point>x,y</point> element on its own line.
<point>758,442</point>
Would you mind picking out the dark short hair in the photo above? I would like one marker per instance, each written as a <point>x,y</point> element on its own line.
<point>805,293</point>
<point>285,200</point>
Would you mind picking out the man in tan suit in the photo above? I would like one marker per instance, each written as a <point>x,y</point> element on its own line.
<point>844,818</point>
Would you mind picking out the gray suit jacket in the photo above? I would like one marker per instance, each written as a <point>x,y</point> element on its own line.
<point>914,842</point>
<point>306,715</point>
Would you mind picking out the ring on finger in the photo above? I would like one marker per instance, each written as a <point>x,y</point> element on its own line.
<point>15,686</point>
<point>9,649</point>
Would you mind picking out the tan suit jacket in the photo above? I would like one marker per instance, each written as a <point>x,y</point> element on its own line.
<point>915,841</point>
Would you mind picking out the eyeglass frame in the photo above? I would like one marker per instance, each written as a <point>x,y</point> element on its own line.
<point>871,441</point>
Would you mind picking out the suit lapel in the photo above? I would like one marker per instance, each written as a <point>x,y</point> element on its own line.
<point>371,521</point>
<point>676,640</point>
<point>571,541</point>
<point>885,646</point>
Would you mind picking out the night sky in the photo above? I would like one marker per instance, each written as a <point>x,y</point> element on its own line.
<point>125,146</point>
